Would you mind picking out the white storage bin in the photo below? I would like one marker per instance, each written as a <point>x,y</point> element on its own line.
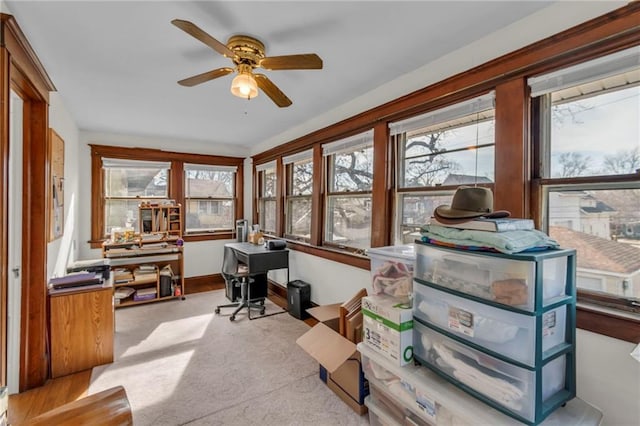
<point>508,386</point>
<point>429,397</point>
<point>395,401</point>
<point>507,281</point>
<point>377,416</point>
<point>510,334</point>
<point>392,270</point>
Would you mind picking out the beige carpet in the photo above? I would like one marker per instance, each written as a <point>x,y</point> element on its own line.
<point>181,364</point>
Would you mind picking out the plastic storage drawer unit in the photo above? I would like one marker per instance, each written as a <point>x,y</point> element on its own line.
<point>512,389</point>
<point>392,270</point>
<point>512,335</point>
<point>510,280</point>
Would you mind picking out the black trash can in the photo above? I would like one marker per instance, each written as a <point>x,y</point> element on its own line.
<point>298,299</point>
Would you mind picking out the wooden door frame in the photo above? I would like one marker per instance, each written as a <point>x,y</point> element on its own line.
<point>22,71</point>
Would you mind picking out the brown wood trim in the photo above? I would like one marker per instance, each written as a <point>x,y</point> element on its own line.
<point>34,352</point>
<point>4,206</point>
<point>512,148</point>
<point>277,289</point>
<point>239,213</point>
<point>280,191</point>
<point>317,197</point>
<point>97,201</point>
<point>176,181</point>
<point>227,235</point>
<point>614,31</point>
<point>611,325</point>
<point>255,194</point>
<point>176,187</point>
<point>381,191</point>
<point>24,57</point>
<point>152,154</point>
<point>335,255</point>
<point>211,281</point>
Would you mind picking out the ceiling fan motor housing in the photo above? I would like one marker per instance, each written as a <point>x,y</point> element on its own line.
<point>249,51</point>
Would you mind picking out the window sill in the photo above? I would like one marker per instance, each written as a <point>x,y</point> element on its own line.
<point>608,322</point>
<point>206,236</point>
<point>335,255</point>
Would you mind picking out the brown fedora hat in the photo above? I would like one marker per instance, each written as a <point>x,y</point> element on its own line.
<point>468,203</point>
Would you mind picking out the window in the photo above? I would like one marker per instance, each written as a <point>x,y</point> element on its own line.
<point>299,170</point>
<point>209,198</point>
<point>437,152</point>
<point>590,172</point>
<point>126,184</point>
<point>348,201</point>
<point>267,182</point>
<point>204,185</point>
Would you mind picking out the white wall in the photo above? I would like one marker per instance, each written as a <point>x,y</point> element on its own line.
<point>64,249</point>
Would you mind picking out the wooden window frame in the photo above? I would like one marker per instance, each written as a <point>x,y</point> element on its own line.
<point>186,232</point>
<point>176,183</point>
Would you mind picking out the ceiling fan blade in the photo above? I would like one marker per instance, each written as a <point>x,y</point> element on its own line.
<point>272,91</point>
<point>195,31</point>
<point>307,61</point>
<point>205,76</point>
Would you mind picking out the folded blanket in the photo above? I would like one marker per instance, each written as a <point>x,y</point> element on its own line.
<point>505,242</point>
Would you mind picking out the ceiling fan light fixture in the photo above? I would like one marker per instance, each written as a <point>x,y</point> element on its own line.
<point>244,85</point>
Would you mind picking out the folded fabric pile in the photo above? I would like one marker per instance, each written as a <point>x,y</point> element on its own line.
<point>505,242</point>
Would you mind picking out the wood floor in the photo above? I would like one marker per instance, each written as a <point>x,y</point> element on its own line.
<point>62,390</point>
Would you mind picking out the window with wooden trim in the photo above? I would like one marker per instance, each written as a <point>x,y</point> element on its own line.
<point>299,177</point>
<point>123,177</point>
<point>437,152</point>
<point>209,196</point>
<point>590,172</point>
<point>267,184</point>
<point>348,206</point>
<point>126,184</point>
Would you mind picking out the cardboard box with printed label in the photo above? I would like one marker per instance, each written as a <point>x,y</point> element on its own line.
<point>340,365</point>
<point>388,328</point>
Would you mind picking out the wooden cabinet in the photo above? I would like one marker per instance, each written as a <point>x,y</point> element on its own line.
<point>82,327</point>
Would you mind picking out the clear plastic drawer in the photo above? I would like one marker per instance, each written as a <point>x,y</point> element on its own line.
<point>392,270</point>
<point>508,333</point>
<point>503,280</point>
<point>508,386</point>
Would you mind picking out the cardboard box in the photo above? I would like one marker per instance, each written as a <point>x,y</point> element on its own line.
<point>388,328</point>
<point>337,356</point>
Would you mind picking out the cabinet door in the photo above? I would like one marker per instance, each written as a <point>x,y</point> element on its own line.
<point>82,327</point>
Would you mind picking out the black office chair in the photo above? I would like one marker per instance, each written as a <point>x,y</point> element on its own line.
<point>237,274</point>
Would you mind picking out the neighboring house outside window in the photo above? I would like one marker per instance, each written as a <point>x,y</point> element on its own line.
<point>590,171</point>
<point>299,177</point>
<point>267,183</point>
<point>127,183</point>
<point>349,164</point>
<point>209,198</point>
<point>437,152</point>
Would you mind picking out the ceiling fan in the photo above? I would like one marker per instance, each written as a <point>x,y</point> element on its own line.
<point>247,53</point>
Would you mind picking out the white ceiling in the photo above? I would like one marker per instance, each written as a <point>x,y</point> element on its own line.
<point>115,64</point>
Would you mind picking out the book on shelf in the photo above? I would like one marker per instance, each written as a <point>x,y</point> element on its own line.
<point>490,224</point>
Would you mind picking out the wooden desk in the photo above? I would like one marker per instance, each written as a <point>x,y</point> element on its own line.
<point>81,329</point>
